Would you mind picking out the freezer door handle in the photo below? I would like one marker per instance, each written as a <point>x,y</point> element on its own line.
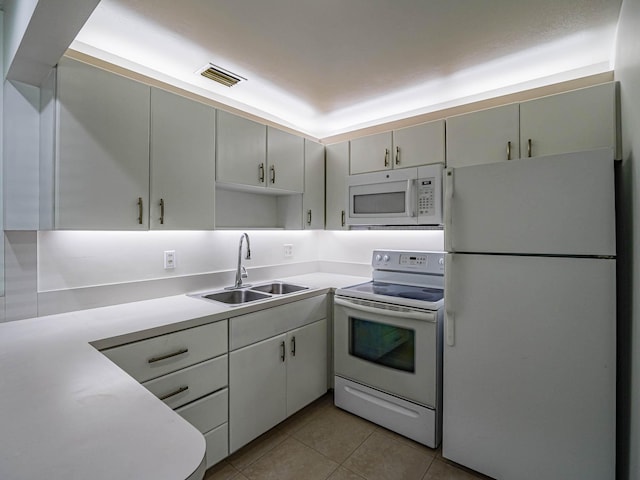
<point>450,330</point>
<point>448,201</point>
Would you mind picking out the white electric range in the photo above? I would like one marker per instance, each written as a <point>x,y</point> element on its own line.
<point>388,344</point>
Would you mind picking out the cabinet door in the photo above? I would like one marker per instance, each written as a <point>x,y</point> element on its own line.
<point>102,157</point>
<point>306,365</point>
<point>337,172</point>
<point>371,154</point>
<point>241,151</point>
<point>486,136</point>
<point>182,163</point>
<point>583,119</point>
<point>419,145</point>
<point>285,158</point>
<point>257,390</point>
<point>313,198</point>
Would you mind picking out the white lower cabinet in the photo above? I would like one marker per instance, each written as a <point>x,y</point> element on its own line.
<point>306,365</point>
<point>210,415</point>
<point>189,371</point>
<point>275,377</point>
<point>257,390</point>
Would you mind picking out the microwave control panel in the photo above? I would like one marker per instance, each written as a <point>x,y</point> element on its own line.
<point>426,196</point>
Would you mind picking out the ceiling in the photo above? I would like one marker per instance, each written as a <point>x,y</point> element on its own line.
<point>325,67</point>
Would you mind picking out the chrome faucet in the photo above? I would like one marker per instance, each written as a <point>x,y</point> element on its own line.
<point>241,272</point>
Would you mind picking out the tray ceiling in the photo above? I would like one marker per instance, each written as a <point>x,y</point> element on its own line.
<point>328,66</point>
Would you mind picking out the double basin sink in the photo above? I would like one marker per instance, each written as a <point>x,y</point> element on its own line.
<point>251,293</point>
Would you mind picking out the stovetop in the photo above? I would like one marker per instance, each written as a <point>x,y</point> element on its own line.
<point>426,294</point>
<point>413,279</point>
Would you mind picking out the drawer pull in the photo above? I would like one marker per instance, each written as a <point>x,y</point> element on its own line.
<point>175,392</point>
<point>168,355</point>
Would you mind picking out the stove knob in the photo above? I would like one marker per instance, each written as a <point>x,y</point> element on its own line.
<point>441,262</point>
<point>386,258</point>
<point>378,257</point>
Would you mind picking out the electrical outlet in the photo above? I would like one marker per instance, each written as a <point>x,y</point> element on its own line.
<point>288,249</point>
<point>169,259</point>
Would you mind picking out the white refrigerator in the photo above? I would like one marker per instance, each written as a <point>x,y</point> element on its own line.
<point>529,381</point>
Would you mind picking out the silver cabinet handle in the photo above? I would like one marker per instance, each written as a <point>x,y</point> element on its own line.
<point>397,155</point>
<point>508,150</point>
<point>175,392</point>
<point>273,174</point>
<point>261,173</point>
<point>162,211</point>
<point>529,148</point>
<point>308,217</point>
<point>168,355</point>
<point>386,157</point>
<point>140,210</point>
<point>293,346</point>
<point>282,351</point>
<point>343,218</point>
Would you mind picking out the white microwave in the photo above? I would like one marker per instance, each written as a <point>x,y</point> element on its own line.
<point>409,196</point>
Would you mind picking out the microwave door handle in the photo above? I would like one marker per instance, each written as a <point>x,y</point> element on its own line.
<point>411,197</point>
<point>414,315</point>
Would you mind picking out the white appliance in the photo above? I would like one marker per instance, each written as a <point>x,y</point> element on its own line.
<point>388,344</point>
<point>530,318</point>
<point>408,196</point>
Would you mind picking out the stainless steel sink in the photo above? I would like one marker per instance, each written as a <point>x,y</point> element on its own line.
<point>234,297</point>
<point>279,288</point>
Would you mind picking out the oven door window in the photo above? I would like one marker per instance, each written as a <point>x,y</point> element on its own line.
<point>383,344</point>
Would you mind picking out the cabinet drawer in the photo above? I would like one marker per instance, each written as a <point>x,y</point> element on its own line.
<point>257,326</point>
<point>158,356</point>
<point>208,412</point>
<point>217,444</point>
<point>180,388</point>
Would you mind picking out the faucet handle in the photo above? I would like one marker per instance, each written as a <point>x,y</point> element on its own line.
<point>244,273</point>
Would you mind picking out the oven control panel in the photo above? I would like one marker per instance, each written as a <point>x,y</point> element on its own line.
<point>403,261</point>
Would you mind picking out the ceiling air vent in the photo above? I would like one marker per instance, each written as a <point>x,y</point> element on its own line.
<point>220,75</point>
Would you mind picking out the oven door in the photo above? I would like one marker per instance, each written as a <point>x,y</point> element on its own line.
<point>388,347</point>
<point>383,198</point>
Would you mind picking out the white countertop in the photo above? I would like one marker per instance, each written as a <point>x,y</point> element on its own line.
<point>67,412</point>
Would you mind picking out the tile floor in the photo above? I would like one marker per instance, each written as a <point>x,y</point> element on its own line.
<point>323,442</point>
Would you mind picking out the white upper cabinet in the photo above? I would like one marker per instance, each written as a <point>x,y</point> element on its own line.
<point>422,144</point>
<point>337,172</point>
<point>250,154</point>
<point>182,163</point>
<point>102,150</point>
<point>285,161</point>
<point>371,154</point>
<point>241,155</point>
<point>485,136</point>
<point>582,119</point>
<point>313,198</point>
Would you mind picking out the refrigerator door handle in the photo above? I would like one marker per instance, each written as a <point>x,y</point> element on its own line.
<point>448,201</point>
<point>449,319</point>
<point>450,328</point>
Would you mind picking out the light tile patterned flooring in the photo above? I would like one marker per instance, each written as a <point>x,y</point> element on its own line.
<point>323,442</point>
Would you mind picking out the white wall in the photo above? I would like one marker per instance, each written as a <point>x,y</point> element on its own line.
<point>68,260</point>
<point>83,259</point>
<point>627,71</point>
